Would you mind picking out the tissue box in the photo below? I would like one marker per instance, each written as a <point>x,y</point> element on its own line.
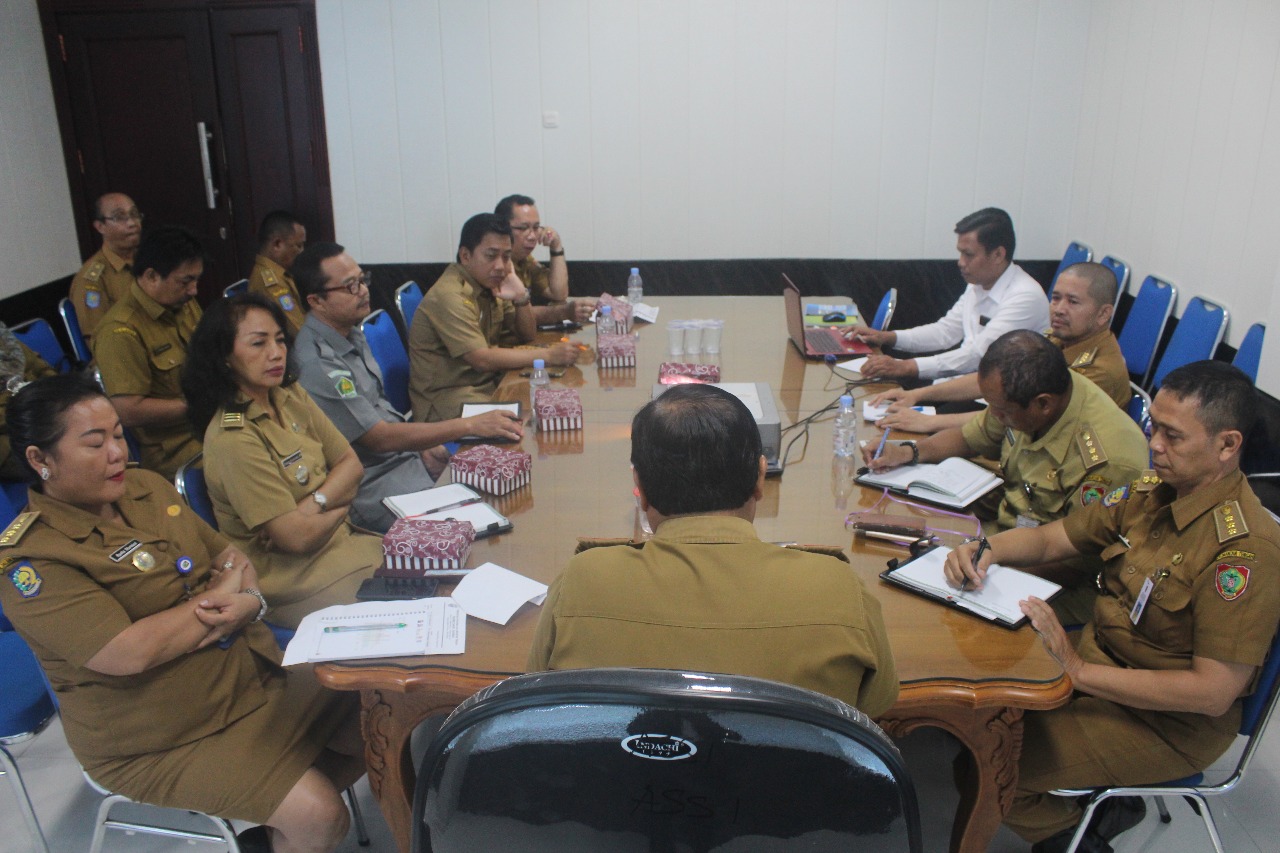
<point>558,408</point>
<point>416,545</point>
<point>493,469</point>
<point>615,351</point>
<point>621,310</point>
<point>682,373</point>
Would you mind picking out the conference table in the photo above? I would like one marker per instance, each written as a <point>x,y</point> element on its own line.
<point>957,672</point>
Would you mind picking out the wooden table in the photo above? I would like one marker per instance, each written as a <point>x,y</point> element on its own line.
<point>958,673</point>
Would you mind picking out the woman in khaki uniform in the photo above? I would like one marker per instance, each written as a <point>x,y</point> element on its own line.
<point>146,621</point>
<point>280,475</point>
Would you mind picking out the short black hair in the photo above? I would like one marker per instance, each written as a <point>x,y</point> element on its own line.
<point>994,227</point>
<point>1225,395</point>
<point>277,223</point>
<point>506,207</point>
<point>166,248</point>
<point>1029,365</point>
<point>695,449</point>
<point>1102,282</point>
<point>306,271</point>
<point>474,229</point>
<point>36,414</point>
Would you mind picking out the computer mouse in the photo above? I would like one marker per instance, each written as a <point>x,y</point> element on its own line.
<point>833,317</point>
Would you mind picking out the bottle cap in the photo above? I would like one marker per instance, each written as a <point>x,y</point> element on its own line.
<point>539,364</point>
<point>635,270</point>
<point>606,309</point>
<point>845,399</point>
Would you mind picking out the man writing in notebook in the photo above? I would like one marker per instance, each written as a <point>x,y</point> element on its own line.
<point>1080,312</point>
<point>340,373</point>
<point>1060,440</point>
<point>1000,297</point>
<point>705,593</point>
<point>1189,607</point>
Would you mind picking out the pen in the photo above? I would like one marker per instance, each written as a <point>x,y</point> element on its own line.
<point>580,346</point>
<point>983,547</point>
<point>883,438</point>
<point>348,629</point>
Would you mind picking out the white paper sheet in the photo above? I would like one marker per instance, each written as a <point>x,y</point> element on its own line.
<point>494,594</point>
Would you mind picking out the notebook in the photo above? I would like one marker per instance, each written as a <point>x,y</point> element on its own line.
<point>470,410</point>
<point>953,482</point>
<point>378,629</point>
<point>814,341</point>
<point>454,502</point>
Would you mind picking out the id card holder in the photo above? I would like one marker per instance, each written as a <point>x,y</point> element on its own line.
<point>1026,521</point>
<point>1135,613</point>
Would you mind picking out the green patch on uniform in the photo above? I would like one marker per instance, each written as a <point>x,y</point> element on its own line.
<point>1231,580</point>
<point>26,579</point>
<point>346,388</point>
<point>1115,496</point>
<point>1092,492</point>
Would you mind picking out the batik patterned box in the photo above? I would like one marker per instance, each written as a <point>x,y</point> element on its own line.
<point>683,373</point>
<point>415,545</point>
<point>558,408</point>
<point>496,470</point>
<point>621,310</point>
<point>615,350</point>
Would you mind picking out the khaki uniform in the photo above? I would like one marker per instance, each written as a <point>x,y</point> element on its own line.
<point>1099,358</point>
<point>257,470</point>
<point>536,278</point>
<point>140,349</point>
<point>272,281</point>
<point>703,594</point>
<point>225,731</point>
<point>458,315</point>
<point>12,468</point>
<point>103,281</point>
<point>1214,560</point>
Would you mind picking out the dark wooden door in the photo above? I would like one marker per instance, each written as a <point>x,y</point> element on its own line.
<point>208,115</point>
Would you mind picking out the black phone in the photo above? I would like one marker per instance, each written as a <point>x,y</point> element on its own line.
<point>396,589</point>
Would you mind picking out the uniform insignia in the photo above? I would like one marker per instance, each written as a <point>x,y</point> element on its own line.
<point>1115,496</point>
<point>1148,481</point>
<point>302,475</point>
<point>26,579</point>
<point>1230,522</point>
<point>17,529</point>
<point>346,388</point>
<point>125,550</point>
<point>94,272</point>
<point>1231,580</point>
<point>160,350</point>
<point>1177,559</point>
<point>232,420</point>
<point>287,303</point>
<point>1085,358</point>
<point>269,276</point>
<point>143,561</point>
<point>173,510</point>
<point>1090,447</point>
<point>92,298</point>
<point>1237,555</point>
<point>1092,491</point>
<point>184,565</point>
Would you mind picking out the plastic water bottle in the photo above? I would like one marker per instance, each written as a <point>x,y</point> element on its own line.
<point>604,321</point>
<point>635,287</point>
<point>539,376</point>
<point>846,432</point>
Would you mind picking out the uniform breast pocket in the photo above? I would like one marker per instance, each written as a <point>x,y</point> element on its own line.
<point>1167,619</point>
<point>166,370</point>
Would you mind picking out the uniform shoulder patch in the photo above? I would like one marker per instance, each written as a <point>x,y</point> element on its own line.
<point>232,420</point>
<point>269,277</point>
<point>1090,447</point>
<point>1092,491</point>
<point>1230,522</point>
<point>1085,359</point>
<point>92,297</point>
<point>1233,554</point>
<point>1148,481</point>
<point>1230,580</point>
<point>287,303</point>
<point>1115,496</point>
<point>18,528</point>
<point>24,577</point>
<point>94,272</point>
<point>345,387</point>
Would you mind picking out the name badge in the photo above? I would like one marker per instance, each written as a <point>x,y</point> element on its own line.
<point>1141,604</point>
<point>1026,521</point>
<point>293,457</point>
<point>125,550</point>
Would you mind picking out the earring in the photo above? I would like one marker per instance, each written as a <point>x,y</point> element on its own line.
<point>44,473</point>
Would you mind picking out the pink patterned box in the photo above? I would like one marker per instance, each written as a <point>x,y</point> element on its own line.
<point>494,469</point>
<point>621,310</point>
<point>558,408</point>
<point>415,545</point>
<point>683,373</point>
<point>615,350</point>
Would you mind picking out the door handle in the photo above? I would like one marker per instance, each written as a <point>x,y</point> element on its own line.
<point>210,191</point>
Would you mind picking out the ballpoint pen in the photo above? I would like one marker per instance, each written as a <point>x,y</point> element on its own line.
<point>883,438</point>
<point>983,547</point>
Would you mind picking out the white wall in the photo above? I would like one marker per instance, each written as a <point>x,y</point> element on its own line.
<point>37,228</point>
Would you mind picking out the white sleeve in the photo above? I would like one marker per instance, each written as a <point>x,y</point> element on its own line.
<point>1025,308</point>
<point>942,334</point>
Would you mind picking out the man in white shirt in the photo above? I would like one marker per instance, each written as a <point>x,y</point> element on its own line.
<point>1000,297</point>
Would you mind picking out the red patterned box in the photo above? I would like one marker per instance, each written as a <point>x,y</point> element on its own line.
<point>621,310</point>
<point>683,373</point>
<point>558,408</point>
<point>615,350</point>
<point>415,545</point>
<point>494,469</point>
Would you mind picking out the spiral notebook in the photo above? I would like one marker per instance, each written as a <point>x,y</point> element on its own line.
<point>380,629</point>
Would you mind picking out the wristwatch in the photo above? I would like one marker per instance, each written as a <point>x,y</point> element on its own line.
<point>520,303</point>
<point>559,254</point>
<point>262,602</point>
<point>320,499</point>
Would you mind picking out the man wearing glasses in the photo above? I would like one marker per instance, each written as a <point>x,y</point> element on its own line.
<point>549,285</point>
<point>106,277</point>
<point>338,370</point>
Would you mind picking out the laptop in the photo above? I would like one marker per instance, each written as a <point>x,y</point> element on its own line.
<point>815,341</point>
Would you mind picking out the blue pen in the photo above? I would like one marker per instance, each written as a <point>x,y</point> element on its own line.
<point>883,438</point>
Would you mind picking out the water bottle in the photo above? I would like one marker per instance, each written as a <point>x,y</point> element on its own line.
<point>846,432</point>
<point>604,321</point>
<point>539,376</point>
<point>635,287</point>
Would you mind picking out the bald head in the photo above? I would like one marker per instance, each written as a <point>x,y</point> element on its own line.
<point>1082,302</point>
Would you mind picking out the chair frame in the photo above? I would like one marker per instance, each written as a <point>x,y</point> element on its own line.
<point>386,386</point>
<point>1122,282</point>
<point>1144,423</point>
<point>1075,247</point>
<point>890,304</point>
<point>235,288</point>
<point>71,322</point>
<point>9,767</point>
<point>63,363</point>
<point>1194,304</point>
<point>400,294</point>
<point>1147,369</point>
<point>1262,334</point>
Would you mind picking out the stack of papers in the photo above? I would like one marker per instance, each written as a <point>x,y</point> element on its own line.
<point>875,413</point>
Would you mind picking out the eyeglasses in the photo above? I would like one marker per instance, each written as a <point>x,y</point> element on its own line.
<point>352,285</point>
<point>121,218</point>
<point>520,229</point>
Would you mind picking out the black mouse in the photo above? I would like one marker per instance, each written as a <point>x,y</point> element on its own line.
<point>833,317</point>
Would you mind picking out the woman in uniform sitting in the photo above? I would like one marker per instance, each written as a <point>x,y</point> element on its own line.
<point>147,622</point>
<point>279,473</point>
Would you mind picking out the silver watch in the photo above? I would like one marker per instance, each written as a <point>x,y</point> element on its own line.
<point>262,602</point>
<point>321,500</point>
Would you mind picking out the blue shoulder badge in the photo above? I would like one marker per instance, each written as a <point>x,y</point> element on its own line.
<point>1115,496</point>
<point>287,303</point>
<point>23,576</point>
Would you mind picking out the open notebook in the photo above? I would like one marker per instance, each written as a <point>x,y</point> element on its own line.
<point>953,482</point>
<point>454,502</point>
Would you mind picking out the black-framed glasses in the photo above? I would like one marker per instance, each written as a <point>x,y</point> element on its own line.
<point>352,285</point>
<point>124,217</point>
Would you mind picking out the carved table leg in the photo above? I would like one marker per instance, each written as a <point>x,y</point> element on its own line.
<point>993,737</point>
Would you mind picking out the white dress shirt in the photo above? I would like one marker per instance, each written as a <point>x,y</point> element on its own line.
<point>1015,301</point>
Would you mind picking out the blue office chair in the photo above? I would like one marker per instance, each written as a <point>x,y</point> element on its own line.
<point>408,295</point>
<point>1145,324</point>
<point>38,335</point>
<point>71,323</point>
<point>1139,408</point>
<point>1257,710</point>
<point>239,287</point>
<point>25,709</point>
<point>645,759</point>
<point>1249,356</point>
<point>393,359</point>
<point>1076,253</point>
<point>1196,337</point>
<point>884,314</point>
<point>189,481</point>
<point>1119,269</point>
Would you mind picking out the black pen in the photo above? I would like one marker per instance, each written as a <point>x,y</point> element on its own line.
<point>983,547</point>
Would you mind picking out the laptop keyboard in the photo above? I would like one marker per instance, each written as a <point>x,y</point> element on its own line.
<point>820,340</point>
